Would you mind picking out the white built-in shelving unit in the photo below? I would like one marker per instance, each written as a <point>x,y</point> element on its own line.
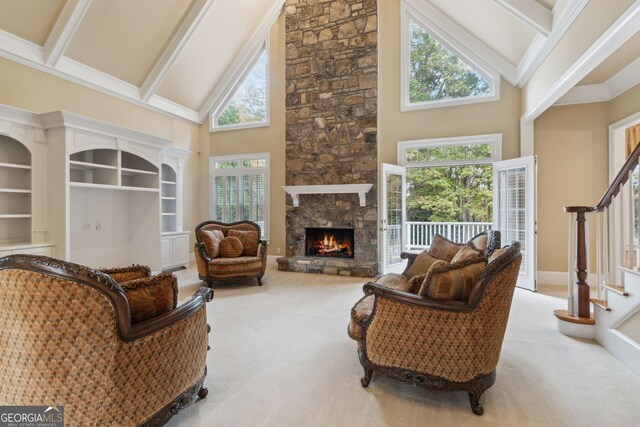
<point>106,195</point>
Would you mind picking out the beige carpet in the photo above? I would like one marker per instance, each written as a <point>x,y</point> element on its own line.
<point>281,356</point>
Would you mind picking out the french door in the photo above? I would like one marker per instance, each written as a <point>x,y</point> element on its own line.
<point>392,217</point>
<point>514,211</point>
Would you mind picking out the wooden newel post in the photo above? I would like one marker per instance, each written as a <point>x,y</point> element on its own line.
<point>582,289</point>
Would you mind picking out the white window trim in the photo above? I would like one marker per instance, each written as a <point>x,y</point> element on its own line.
<point>213,172</point>
<point>214,127</point>
<point>495,140</point>
<point>482,68</point>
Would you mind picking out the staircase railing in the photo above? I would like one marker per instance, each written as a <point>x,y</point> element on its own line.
<point>615,240</point>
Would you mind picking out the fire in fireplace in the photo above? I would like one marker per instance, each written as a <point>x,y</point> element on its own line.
<point>329,242</point>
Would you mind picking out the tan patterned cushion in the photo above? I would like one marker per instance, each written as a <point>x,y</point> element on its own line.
<point>211,240</point>
<point>443,248</point>
<point>420,265</point>
<point>249,241</point>
<point>415,283</point>
<point>468,251</point>
<point>151,296</point>
<point>496,254</point>
<point>359,312</point>
<point>230,247</point>
<point>241,266</point>
<point>451,281</point>
<point>480,242</point>
<point>124,274</point>
<point>395,281</point>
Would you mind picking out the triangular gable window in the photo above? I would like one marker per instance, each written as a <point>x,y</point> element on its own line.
<point>437,75</point>
<point>248,105</point>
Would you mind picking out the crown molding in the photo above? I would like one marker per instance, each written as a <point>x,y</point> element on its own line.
<point>614,37</point>
<point>174,47</point>
<point>30,54</point>
<point>622,81</point>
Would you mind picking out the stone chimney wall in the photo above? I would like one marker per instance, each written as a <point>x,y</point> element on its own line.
<point>331,117</point>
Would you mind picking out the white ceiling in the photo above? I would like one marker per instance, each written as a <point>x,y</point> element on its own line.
<point>180,56</point>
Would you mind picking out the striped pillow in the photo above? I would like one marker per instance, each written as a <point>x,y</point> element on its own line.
<point>443,248</point>
<point>468,251</point>
<point>452,281</point>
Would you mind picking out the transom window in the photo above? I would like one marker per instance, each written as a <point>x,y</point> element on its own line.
<point>248,104</point>
<point>435,73</point>
<point>239,189</point>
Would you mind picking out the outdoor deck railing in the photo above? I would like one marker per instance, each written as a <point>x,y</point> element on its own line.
<point>420,234</point>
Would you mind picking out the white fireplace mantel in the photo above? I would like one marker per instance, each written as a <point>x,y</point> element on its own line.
<point>296,190</point>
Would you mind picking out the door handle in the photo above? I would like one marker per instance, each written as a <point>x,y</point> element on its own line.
<point>383,229</point>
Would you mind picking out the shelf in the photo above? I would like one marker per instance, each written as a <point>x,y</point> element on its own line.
<point>168,214</point>
<point>168,198</point>
<point>113,187</point>
<point>14,190</point>
<point>85,166</point>
<point>15,216</point>
<point>168,182</point>
<point>14,166</point>
<point>132,172</point>
<point>296,190</point>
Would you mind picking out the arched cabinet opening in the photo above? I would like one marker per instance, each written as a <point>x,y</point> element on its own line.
<point>15,192</point>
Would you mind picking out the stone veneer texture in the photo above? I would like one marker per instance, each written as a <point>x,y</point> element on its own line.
<point>331,117</point>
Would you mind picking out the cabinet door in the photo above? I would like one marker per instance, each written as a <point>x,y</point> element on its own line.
<point>181,250</point>
<point>167,251</point>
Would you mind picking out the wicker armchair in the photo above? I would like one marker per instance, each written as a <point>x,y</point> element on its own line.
<point>66,338</point>
<point>438,344</point>
<point>235,268</point>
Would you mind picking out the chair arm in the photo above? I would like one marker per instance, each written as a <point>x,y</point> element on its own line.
<point>372,288</point>
<point>263,248</point>
<point>148,327</point>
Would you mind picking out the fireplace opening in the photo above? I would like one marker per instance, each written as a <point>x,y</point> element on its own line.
<point>329,242</point>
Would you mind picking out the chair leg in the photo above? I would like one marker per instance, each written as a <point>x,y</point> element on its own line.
<point>203,392</point>
<point>259,281</point>
<point>367,377</point>
<point>474,400</point>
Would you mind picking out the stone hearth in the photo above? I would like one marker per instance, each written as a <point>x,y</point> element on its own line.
<point>331,127</point>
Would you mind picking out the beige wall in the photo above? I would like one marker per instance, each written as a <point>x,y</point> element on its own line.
<point>501,116</point>
<point>269,139</point>
<point>35,91</point>
<point>625,104</point>
<point>571,143</point>
<point>592,22</point>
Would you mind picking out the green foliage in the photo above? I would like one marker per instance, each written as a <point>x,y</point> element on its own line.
<point>435,73</point>
<point>451,193</point>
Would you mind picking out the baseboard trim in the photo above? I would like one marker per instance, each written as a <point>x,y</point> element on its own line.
<point>559,278</point>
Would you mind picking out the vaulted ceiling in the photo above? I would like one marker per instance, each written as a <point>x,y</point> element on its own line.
<point>180,56</point>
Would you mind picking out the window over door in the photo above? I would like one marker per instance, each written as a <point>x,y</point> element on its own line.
<point>240,189</point>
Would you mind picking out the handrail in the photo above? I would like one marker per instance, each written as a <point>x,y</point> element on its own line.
<point>621,179</point>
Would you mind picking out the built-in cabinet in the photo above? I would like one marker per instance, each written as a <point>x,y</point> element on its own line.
<point>106,195</point>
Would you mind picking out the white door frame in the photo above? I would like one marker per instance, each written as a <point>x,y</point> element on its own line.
<point>382,229</point>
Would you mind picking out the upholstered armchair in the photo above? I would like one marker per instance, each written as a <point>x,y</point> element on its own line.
<point>440,344</point>
<point>67,337</point>
<point>230,251</point>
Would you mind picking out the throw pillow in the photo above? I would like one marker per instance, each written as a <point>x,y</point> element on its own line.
<point>468,251</point>
<point>451,281</point>
<point>231,247</point>
<point>420,265</point>
<point>415,283</point>
<point>496,254</point>
<point>211,240</point>
<point>151,296</point>
<point>480,241</point>
<point>249,241</point>
<point>124,274</point>
<point>443,248</point>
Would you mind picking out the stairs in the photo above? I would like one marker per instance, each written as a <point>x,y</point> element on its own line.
<point>620,311</point>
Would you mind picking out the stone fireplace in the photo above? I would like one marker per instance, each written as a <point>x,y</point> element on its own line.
<point>331,131</point>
